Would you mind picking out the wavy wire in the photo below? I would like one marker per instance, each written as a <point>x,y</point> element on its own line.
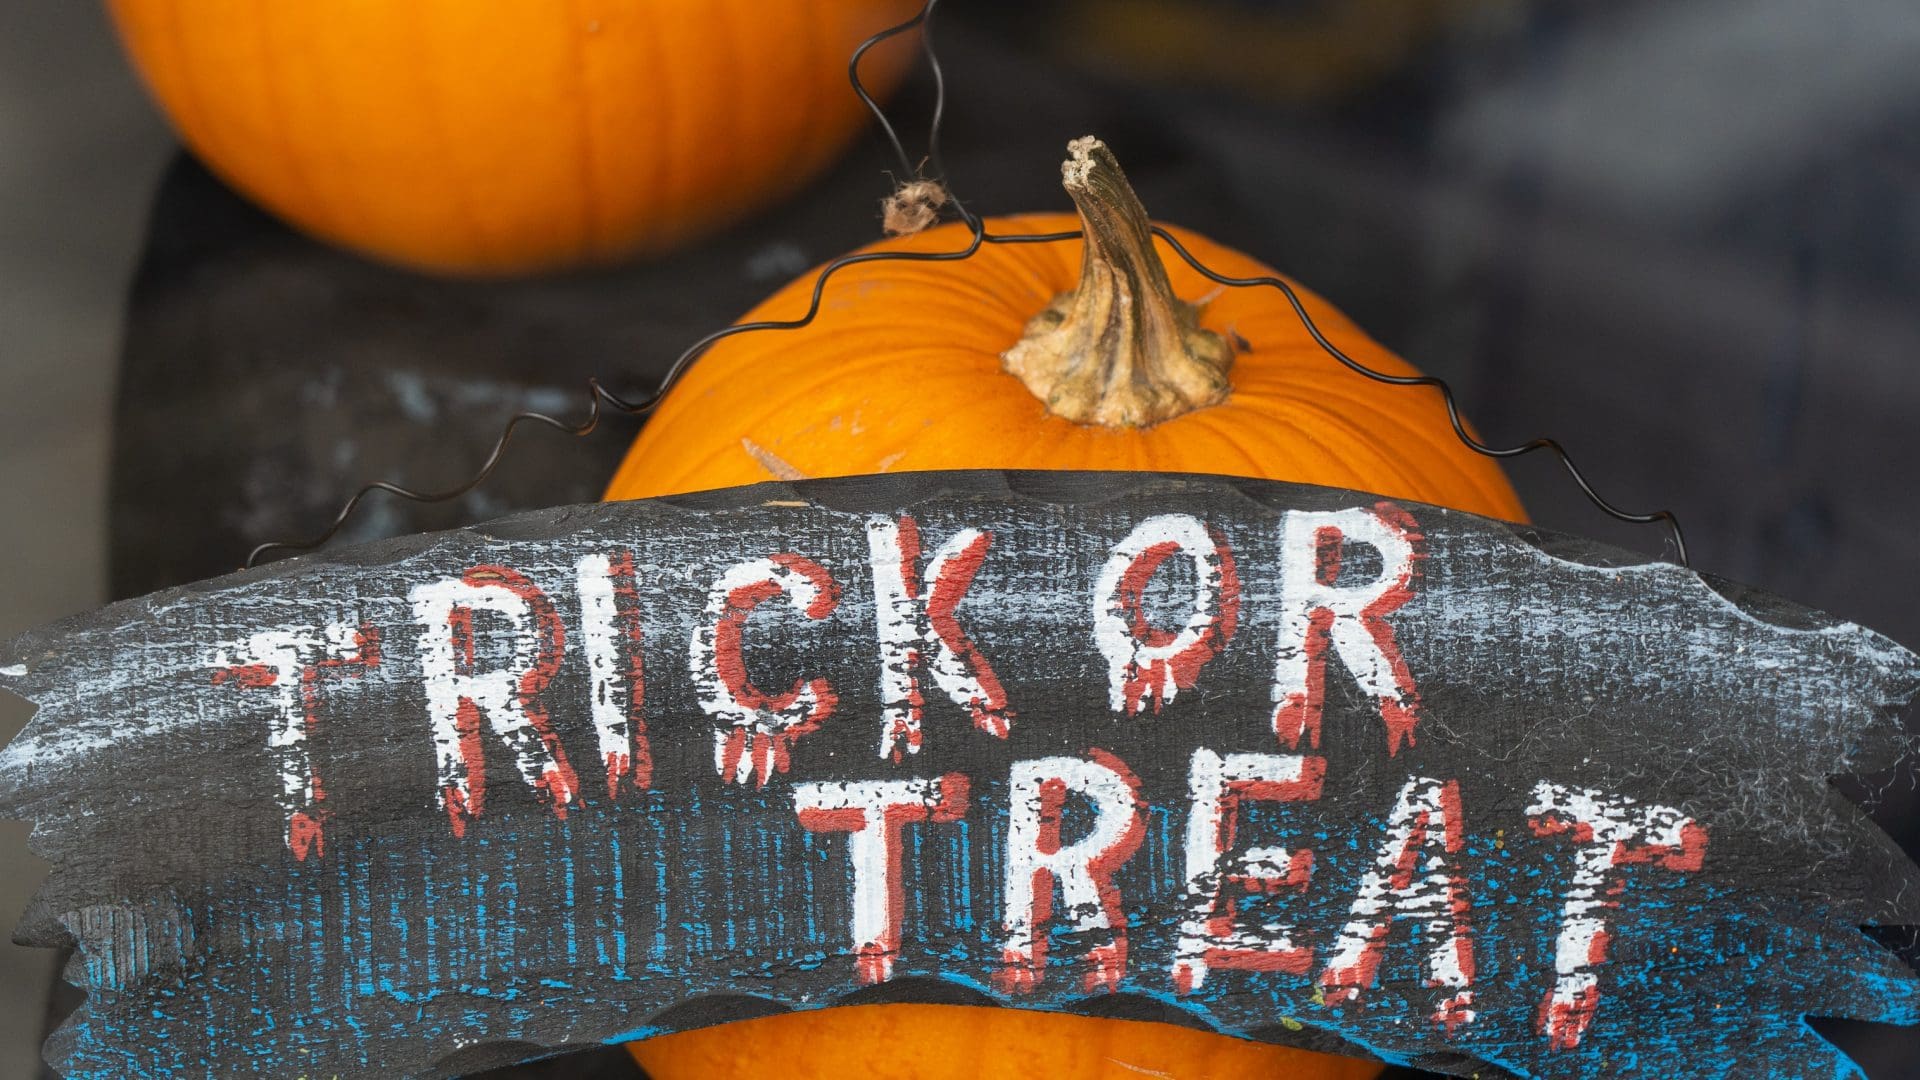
<point>599,396</point>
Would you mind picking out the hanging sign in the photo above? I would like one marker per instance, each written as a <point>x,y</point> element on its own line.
<point>1287,762</point>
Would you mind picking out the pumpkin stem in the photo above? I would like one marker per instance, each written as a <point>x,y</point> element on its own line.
<point>1119,350</point>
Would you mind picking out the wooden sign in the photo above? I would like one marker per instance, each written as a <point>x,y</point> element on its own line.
<point>1287,762</point>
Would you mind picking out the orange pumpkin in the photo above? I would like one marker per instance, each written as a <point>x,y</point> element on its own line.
<point>1070,355</point>
<point>951,1042</point>
<point>1134,361</point>
<point>494,138</point>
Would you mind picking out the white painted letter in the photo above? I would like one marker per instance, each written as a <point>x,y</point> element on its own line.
<point>1209,937</point>
<point>1146,664</point>
<point>1316,610</point>
<point>459,693</point>
<point>1411,879</point>
<point>918,630</point>
<point>610,621</point>
<point>1611,832</point>
<point>1084,869</point>
<point>762,726</point>
<point>290,663</point>
<point>872,813</point>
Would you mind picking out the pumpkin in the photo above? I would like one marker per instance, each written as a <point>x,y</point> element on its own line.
<point>1102,354</point>
<point>1108,354</point>
<point>487,138</point>
<point>954,1042</point>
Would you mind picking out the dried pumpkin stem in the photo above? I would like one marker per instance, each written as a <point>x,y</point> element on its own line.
<point>1119,350</point>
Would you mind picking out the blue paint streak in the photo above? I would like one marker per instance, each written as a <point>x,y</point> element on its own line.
<point>619,902</point>
<point>394,978</point>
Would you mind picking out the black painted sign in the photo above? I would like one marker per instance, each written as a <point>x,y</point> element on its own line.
<point>1282,761</point>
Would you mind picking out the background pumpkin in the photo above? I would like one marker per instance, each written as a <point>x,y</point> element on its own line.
<point>492,138</point>
<point>1067,355</point>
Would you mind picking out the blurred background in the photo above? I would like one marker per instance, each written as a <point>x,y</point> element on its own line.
<point>1680,236</point>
